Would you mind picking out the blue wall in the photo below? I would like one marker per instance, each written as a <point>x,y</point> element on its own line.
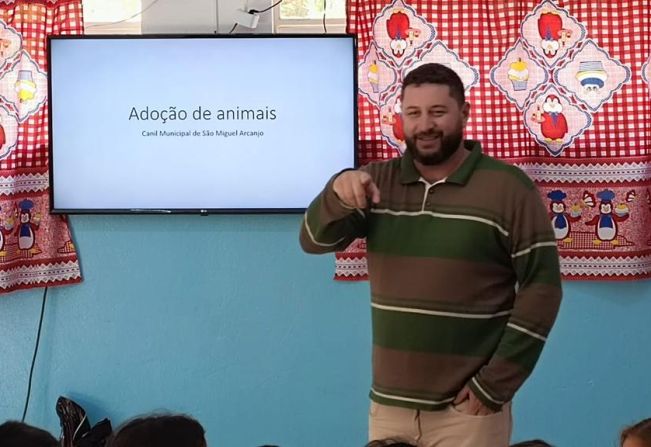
<point>223,317</point>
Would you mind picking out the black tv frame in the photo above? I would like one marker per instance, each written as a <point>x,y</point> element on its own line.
<point>199,211</point>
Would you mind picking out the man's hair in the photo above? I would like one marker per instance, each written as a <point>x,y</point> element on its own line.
<point>532,443</point>
<point>641,430</point>
<point>159,431</point>
<point>389,443</point>
<point>19,434</point>
<point>433,73</point>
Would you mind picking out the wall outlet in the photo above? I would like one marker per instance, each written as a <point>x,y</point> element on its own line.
<point>246,19</point>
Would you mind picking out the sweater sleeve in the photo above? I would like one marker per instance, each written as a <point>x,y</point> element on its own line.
<point>535,261</point>
<point>329,224</point>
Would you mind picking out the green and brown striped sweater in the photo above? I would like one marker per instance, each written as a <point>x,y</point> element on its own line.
<point>464,277</point>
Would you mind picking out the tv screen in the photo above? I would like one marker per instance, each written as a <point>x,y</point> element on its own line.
<point>199,123</point>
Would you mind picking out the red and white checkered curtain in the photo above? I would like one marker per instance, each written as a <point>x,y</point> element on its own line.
<point>36,249</point>
<point>561,89</point>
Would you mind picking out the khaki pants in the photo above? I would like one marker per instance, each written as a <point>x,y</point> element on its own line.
<point>446,428</point>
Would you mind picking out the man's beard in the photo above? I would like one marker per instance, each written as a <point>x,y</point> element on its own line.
<point>448,146</point>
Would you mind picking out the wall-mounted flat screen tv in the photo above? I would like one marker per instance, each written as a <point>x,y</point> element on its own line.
<point>198,123</point>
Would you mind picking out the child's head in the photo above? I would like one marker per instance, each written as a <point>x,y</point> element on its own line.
<point>19,434</point>
<point>638,435</point>
<point>389,443</point>
<point>532,443</point>
<point>159,431</point>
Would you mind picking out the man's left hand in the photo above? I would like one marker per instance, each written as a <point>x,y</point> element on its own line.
<point>475,407</point>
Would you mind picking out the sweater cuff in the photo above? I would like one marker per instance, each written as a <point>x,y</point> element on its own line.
<point>485,396</point>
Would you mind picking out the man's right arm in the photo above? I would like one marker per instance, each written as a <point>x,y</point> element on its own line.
<point>336,217</point>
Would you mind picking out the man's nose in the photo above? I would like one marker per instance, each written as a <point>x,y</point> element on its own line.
<point>425,124</point>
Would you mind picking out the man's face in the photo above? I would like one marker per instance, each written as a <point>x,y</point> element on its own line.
<point>433,122</point>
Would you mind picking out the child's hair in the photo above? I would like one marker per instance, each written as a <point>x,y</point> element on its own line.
<point>389,443</point>
<point>19,434</point>
<point>641,431</point>
<point>159,431</point>
<point>532,443</point>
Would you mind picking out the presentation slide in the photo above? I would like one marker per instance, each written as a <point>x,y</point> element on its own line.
<point>199,123</point>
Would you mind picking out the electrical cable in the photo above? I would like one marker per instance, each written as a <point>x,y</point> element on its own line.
<point>266,9</point>
<point>31,369</point>
<point>128,18</point>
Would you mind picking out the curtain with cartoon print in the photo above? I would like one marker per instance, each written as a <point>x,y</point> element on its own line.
<point>36,249</point>
<point>561,89</point>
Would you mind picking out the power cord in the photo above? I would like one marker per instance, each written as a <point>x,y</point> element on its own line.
<point>325,5</point>
<point>38,340</point>
<point>124,20</point>
<point>253,11</point>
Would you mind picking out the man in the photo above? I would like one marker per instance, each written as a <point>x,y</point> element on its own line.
<point>463,268</point>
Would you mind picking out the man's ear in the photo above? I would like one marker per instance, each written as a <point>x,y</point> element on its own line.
<point>465,113</point>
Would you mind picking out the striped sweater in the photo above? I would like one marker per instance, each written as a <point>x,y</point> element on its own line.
<point>464,275</point>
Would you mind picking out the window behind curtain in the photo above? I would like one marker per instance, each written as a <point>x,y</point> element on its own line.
<point>112,17</point>
<point>306,16</point>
